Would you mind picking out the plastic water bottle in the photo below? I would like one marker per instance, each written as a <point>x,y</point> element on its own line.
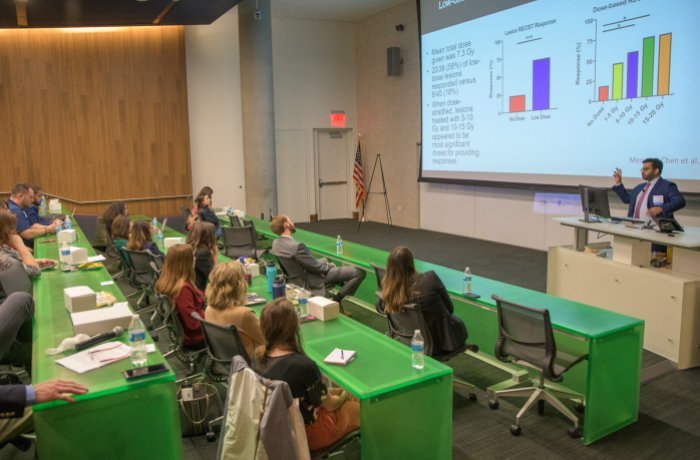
<point>42,207</point>
<point>67,223</point>
<point>417,347</point>
<point>467,286</point>
<point>303,304</point>
<point>339,246</point>
<point>159,238</point>
<point>295,301</point>
<point>137,341</point>
<point>64,257</point>
<point>59,227</point>
<point>271,273</point>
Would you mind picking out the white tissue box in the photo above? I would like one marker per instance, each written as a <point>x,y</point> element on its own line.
<point>77,256</point>
<point>54,206</point>
<point>172,241</point>
<point>67,236</point>
<point>254,269</point>
<point>239,213</point>
<point>102,319</point>
<point>323,309</point>
<point>79,298</point>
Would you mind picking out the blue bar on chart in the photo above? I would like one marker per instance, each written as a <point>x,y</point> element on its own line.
<point>632,73</point>
<point>540,84</point>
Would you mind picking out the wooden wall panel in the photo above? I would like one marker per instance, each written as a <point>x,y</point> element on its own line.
<point>96,115</point>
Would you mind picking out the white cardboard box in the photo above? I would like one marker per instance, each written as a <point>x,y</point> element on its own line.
<point>172,241</point>
<point>323,309</point>
<point>102,320</point>
<point>67,236</point>
<point>77,256</point>
<point>55,206</point>
<point>79,298</point>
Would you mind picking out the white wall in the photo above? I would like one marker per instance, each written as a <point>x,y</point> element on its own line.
<point>214,100</point>
<point>314,74</point>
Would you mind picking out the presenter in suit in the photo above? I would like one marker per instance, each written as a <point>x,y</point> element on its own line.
<point>654,197</point>
<point>321,272</point>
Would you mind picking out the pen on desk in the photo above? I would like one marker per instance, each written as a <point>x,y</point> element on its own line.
<point>341,355</point>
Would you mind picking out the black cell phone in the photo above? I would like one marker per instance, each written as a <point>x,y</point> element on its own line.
<point>139,372</point>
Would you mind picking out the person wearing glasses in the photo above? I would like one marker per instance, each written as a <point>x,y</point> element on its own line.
<point>654,197</point>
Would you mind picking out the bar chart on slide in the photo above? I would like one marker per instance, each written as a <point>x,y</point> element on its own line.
<point>642,71</point>
<point>541,89</point>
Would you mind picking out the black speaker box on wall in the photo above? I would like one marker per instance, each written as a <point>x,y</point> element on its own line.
<point>393,61</point>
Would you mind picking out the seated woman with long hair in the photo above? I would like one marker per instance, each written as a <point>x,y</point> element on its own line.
<point>140,238</point>
<point>118,208</point>
<point>206,213</point>
<point>176,282</point>
<point>120,231</point>
<point>226,304</point>
<point>203,242</point>
<point>12,248</point>
<point>328,415</point>
<point>402,285</point>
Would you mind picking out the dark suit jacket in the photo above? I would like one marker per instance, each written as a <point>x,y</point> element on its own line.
<point>12,401</point>
<point>673,200</point>
<point>435,304</point>
<point>289,248</point>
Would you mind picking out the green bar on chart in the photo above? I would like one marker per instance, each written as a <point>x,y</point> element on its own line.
<point>648,67</point>
<point>617,80</point>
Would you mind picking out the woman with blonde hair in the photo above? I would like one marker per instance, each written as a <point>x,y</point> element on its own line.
<point>140,238</point>
<point>402,285</point>
<point>176,282</point>
<point>226,300</point>
<point>328,415</point>
<point>203,242</point>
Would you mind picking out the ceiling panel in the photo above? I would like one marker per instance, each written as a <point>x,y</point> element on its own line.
<point>191,11</point>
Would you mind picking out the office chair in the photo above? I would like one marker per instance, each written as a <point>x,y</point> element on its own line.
<point>176,334</point>
<point>402,326</point>
<point>223,343</point>
<point>337,448</point>
<point>526,337</point>
<point>379,297</point>
<point>239,241</point>
<point>235,221</point>
<point>143,275</point>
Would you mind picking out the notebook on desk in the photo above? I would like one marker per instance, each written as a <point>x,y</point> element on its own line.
<point>254,299</point>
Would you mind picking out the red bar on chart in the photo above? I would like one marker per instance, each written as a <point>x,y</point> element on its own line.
<point>517,103</point>
<point>603,93</point>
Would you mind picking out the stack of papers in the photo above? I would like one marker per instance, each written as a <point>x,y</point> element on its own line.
<point>341,357</point>
<point>96,357</point>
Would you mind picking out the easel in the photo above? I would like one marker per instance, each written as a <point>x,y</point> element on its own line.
<point>369,188</point>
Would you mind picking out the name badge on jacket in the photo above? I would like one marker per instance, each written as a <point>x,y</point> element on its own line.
<point>658,200</point>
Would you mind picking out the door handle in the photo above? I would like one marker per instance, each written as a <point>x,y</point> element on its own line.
<point>337,182</point>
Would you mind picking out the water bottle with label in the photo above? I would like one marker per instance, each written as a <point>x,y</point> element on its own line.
<point>159,238</point>
<point>42,207</point>
<point>67,223</point>
<point>417,347</point>
<point>339,246</point>
<point>467,284</point>
<point>64,257</point>
<point>303,303</point>
<point>137,341</point>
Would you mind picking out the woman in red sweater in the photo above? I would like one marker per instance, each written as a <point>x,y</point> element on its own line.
<point>177,282</point>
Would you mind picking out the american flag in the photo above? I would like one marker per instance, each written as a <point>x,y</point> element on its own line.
<point>358,176</point>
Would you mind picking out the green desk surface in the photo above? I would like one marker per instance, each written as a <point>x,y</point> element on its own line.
<point>52,324</point>
<point>568,316</point>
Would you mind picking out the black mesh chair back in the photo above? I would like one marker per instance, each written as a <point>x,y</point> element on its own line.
<point>223,343</point>
<point>143,274</point>
<point>379,297</point>
<point>525,334</point>
<point>403,324</point>
<point>239,241</point>
<point>176,333</point>
<point>293,272</point>
<point>14,279</point>
<point>235,221</point>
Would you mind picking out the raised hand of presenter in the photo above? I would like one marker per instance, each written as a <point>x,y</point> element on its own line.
<point>617,176</point>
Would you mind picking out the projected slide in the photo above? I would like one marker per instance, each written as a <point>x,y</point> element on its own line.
<point>559,92</point>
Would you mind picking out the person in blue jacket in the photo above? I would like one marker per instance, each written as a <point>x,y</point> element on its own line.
<point>654,197</point>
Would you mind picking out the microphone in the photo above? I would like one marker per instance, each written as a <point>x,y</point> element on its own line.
<point>116,332</point>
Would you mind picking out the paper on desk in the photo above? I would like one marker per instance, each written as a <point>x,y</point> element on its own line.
<point>338,356</point>
<point>96,357</point>
<point>97,258</point>
<point>107,283</point>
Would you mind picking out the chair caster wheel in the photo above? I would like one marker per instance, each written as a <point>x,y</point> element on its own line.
<point>515,430</point>
<point>540,407</point>
<point>493,405</point>
<point>574,432</point>
<point>580,408</point>
<point>211,436</point>
<point>472,396</point>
